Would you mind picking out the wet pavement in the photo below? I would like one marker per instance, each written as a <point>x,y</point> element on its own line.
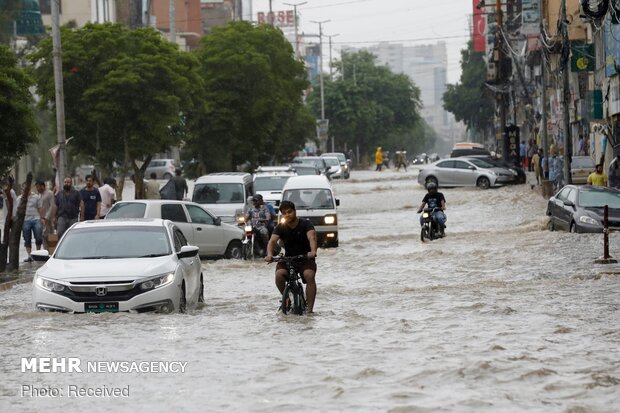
<point>501,315</point>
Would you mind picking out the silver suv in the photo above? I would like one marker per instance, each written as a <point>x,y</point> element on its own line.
<point>163,168</point>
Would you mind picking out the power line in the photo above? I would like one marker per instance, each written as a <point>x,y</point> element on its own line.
<point>419,39</point>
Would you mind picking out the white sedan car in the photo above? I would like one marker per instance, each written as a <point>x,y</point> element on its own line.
<point>119,265</point>
<point>201,228</point>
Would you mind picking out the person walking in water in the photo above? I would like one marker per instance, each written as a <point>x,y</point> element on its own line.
<point>378,159</point>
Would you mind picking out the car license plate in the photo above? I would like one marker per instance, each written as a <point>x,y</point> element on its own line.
<point>101,307</point>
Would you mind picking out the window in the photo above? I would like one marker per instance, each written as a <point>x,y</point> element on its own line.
<point>199,215</point>
<point>446,164</point>
<point>173,212</point>
<point>127,210</point>
<point>218,193</point>
<point>461,165</point>
<point>572,196</point>
<point>179,240</point>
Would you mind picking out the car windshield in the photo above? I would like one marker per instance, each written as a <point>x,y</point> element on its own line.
<point>218,193</point>
<point>309,198</point>
<point>310,170</point>
<point>582,163</point>
<point>127,210</point>
<point>332,161</point>
<point>113,242</point>
<point>598,199</point>
<point>480,163</point>
<point>270,183</point>
<point>309,161</point>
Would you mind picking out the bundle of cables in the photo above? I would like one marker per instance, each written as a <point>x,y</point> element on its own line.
<point>595,9</point>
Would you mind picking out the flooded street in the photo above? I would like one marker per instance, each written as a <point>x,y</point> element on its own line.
<point>501,315</point>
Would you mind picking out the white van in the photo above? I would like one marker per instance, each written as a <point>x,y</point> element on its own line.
<point>224,193</point>
<point>269,181</point>
<point>314,199</point>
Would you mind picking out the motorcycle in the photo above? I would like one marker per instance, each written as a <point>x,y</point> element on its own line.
<point>430,227</point>
<point>252,245</point>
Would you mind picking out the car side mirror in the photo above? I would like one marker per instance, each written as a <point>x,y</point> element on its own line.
<point>40,255</point>
<point>187,251</point>
<point>473,168</point>
<point>337,202</point>
<point>569,203</point>
<point>218,221</point>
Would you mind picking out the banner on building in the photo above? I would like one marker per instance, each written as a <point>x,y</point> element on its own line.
<point>583,57</point>
<point>479,29</point>
<point>530,16</point>
<point>512,134</point>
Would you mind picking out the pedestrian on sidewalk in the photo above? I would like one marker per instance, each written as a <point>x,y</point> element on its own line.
<point>67,206</point>
<point>614,170</point>
<point>152,187</point>
<point>597,178</point>
<point>537,166</point>
<point>48,205</point>
<point>180,185</point>
<point>90,207</point>
<point>108,196</point>
<point>532,150</point>
<point>33,222</point>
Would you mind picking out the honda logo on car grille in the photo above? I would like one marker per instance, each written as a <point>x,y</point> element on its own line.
<point>101,291</point>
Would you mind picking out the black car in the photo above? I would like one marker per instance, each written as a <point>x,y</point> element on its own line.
<point>457,152</point>
<point>521,178</point>
<point>580,208</point>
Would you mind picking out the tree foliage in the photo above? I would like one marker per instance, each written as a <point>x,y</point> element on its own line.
<point>9,11</point>
<point>368,105</point>
<point>125,92</point>
<point>253,93</point>
<point>17,122</point>
<point>470,100</point>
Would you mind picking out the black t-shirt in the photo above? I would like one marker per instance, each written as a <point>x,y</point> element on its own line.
<point>434,200</point>
<point>295,239</point>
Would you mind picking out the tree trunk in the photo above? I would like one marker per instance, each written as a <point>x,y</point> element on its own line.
<point>4,244</point>
<point>16,230</point>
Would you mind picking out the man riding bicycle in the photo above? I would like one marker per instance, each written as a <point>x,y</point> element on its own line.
<point>299,238</point>
<point>436,200</point>
<point>260,217</point>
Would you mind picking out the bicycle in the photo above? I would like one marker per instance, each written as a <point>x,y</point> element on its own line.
<point>293,297</point>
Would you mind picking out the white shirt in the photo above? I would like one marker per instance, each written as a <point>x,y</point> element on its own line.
<point>107,196</point>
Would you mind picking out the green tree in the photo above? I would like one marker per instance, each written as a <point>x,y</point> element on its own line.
<point>367,105</point>
<point>253,92</point>
<point>125,93</point>
<point>17,122</point>
<point>470,100</point>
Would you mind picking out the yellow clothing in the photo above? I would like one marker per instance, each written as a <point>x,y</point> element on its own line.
<point>379,157</point>
<point>536,163</point>
<point>597,179</point>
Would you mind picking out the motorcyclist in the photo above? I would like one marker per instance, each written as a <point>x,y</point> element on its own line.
<point>260,217</point>
<point>434,199</point>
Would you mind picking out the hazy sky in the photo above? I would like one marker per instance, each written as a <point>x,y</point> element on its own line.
<point>360,23</point>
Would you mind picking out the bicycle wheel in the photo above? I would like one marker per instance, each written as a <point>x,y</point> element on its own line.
<point>288,299</point>
<point>300,301</point>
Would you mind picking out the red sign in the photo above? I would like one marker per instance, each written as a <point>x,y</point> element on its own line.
<point>479,28</point>
<point>278,18</point>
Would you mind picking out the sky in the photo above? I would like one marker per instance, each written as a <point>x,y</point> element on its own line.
<point>360,23</point>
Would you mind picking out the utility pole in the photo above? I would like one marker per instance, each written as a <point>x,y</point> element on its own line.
<point>565,67</point>
<point>499,59</point>
<point>543,92</point>
<point>320,23</point>
<point>60,94</point>
<point>173,21</point>
<point>294,5</point>
<point>270,14</point>
<point>330,56</point>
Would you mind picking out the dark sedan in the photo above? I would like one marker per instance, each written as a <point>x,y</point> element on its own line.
<point>580,208</point>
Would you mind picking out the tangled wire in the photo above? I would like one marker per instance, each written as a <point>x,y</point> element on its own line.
<point>595,9</point>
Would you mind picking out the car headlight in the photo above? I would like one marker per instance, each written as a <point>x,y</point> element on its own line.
<point>329,219</point>
<point>587,220</point>
<point>50,285</point>
<point>515,173</point>
<point>492,173</point>
<point>157,282</point>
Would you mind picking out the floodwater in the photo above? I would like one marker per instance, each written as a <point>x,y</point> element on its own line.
<point>501,315</point>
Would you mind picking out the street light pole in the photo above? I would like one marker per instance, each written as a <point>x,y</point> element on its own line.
<point>294,5</point>
<point>330,55</point>
<point>60,95</point>
<point>320,23</point>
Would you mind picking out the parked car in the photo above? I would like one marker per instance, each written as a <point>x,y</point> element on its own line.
<point>119,265</point>
<point>419,159</point>
<point>464,172</point>
<point>580,168</point>
<point>519,173</point>
<point>343,162</point>
<point>199,226</point>
<point>580,208</point>
<point>336,170</point>
<point>269,181</point>
<point>163,168</point>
